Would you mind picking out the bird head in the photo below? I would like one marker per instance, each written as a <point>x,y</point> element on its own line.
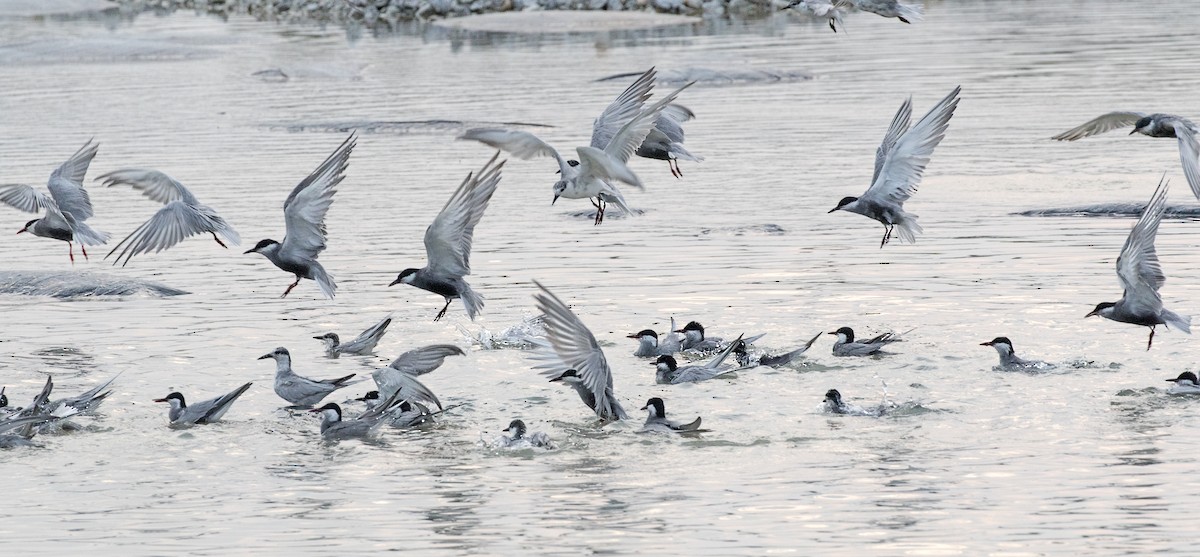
<point>692,329</point>
<point>331,412</point>
<point>1142,125</point>
<point>330,337</point>
<point>262,246</point>
<point>516,428</point>
<point>1100,307</point>
<point>832,396</point>
<point>28,225</point>
<point>643,334</point>
<point>406,276</point>
<point>666,363</point>
<point>559,187</point>
<point>656,407</point>
<point>1186,376</point>
<point>174,399</point>
<point>845,332</point>
<point>277,354</point>
<point>844,202</point>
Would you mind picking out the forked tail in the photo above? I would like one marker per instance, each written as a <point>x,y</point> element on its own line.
<point>472,301</point>
<point>907,228</point>
<point>1181,322</point>
<point>328,287</point>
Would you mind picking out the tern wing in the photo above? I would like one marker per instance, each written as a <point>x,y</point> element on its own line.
<point>520,144</point>
<point>305,208</point>
<point>1189,155</point>
<point>632,134</point>
<point>448,240</point>
<point>370,337</point>
<point>152,183</point>
<point>217,407</point>
<point>24,198</point>
<point>1101,124</point>
<point>1138,268</point>
<point>425,359</point>
<point>570,345</point>
<point>625,108</point>
<point>905,162</point>
<point>393,382</point>
<point>895,131</point>
<point>66,183</point>
<point>170,225</point>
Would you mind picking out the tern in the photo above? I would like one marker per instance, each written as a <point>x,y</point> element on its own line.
<point>518,438</point>
<point>616,135</point>
<point>304,219</point>
<point>1008,358</point>
<point>401,415</point>
<point>401,375</point>
<point>67,206</point>
<point>181,216</point>
<point>1152,125</point>
<point>906,13</point>
<point>302,392</point>
<point>572,355</point>
<point>333,427</point>
<point>207,412</point>
<point>831,10</point>
<point>1186,384</point>
<point>665,140</point>
<point>668,372</point>
<point>649,345</point>
<point>847,346</point>
<point>833,402</point>
<point>1142,276</point>
<point>362,345</point>
<point>695,340</point>
<point>899,163</point>
<point>448,242</point>
<point>657,420</point>
<point>744,358</point>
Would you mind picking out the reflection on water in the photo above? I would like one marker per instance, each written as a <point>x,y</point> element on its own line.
<point>1090,459</point>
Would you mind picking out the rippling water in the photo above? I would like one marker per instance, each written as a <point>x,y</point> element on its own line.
<point>1091,459</point>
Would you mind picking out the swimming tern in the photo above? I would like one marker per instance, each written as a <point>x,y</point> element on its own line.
<point>847,346</point>
<point>899,163</point>
<point>649,345</point>
<point>656,420</point>
<point>571,355</point>
<point>404,414</point>
<point>1186,384</point>
<point>744,358</point>
<point>1152,125</point>
<point>333,427</point>
<point>67,206</point>
<point>519,438</point>
<point>448,242</point>
<point>304,219</point>
<point>180,217</point>
<point>1142,276</point>
<point>302,392</point>
<point>362,345</point>
<point>1009,359</point>
<point>667,371</point>
<point>206,412</point>
<point>401,375</point>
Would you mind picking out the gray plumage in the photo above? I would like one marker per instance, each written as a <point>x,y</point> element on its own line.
<point>656,420</point>
<point>846,345</point>
<point>518,437</point>
<point>1009,361</point>
<point>401,375</point>
<point>449,239</point>
<point>333,427</point>
<point>668,372</point>
<point>665,140</point>
<point>362,345</point>
<point>180,217</point>
<point>744,358</point>
<point>650,346</point>
<point>1152,125</point>
<point>404,414</point>
<point>301,391</point>
<point>906,13</point>
<point>205,412</point>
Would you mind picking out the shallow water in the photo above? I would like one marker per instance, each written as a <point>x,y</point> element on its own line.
<point>1093,460</point>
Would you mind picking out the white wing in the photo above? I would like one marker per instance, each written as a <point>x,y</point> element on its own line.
<point>425,359</point>
<point>630,136</point>
<point>152,183</point>
<point>66,183</point>
<point>448,240</point>
<point>304,211</point>
<point>626,106</point>
<point>392,382</point>
<point>570,345</point>
<point>1138,267</point>
<point>1189,155</point>
<point>897,129</point>
<point>595,164</point>
<point>1101,124</point>
<point>24,198</point>
<point>520,144</point>
<point>170,225</point>
<point>905,162</point>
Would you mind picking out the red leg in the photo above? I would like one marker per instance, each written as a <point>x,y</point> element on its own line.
<point>1151,341</point>
<point>83,248</point>
<point>290,287</point>
<point>214,234</point>
<point>71,252</point>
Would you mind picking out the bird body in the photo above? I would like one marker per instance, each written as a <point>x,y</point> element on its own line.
<point>334,428</point>
<point>400,377</point>
<point>657,422</point>
<point>206,412</point>
<point>302,392</point>
<point>668,372</point>
<point>744,358</point>
<point>846,345</point>
<point>1009,361</point>
<point>520,438</point>
<point>906,13</point>
<point>362,345</point>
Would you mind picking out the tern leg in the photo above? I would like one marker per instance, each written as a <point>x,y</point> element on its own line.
<point>290,287</point>
<point>444,308</point>
<point>904,20</point>
<point>214,235</point>
<point>600,213</point>
<point>83,248</point>
<point>1151,341</point>
<point>71,252</point>
<point>675,171</point>
<point>832,26</point>
<point>887,234</point>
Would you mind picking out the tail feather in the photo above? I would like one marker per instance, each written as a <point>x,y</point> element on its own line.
<point>87,235</point>
<point>328,287</point>
<point>679,152</point>
<point>471,300</point>
<point>1181,322</point>
<point>911,13</point>
<point>907,228</point>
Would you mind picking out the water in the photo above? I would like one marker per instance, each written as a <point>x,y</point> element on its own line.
<point>1093,460</point>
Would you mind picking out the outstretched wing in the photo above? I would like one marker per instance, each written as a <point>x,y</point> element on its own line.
<point>626,106</point>
<point>1189,155</point>
<point>897,129</point>
<point>24,198</point>
<point>448,240</point>
<point>520,144</point>
<point>170,225</point>
<point>1101,124</point>
<point>304,211</point>
<point>901,171</point>
<point>425,359</point>
<point>152,183</point>
<point>1138,268</point>
<point>570,345</point>
<point>66,183</point>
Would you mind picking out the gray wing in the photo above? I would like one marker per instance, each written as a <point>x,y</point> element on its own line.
<point>520,144</point>
<point>425,359</point>
<point>174,222</point>
<point>368,338</point>
<point>305,208</point>
<point>720,359</point>
<point>1189,155</point>
<point>395,383</point>
<point>66,183</point>
<point>897,129</point>
<point>570,345</point>
<point>1101,124</point>
<point>448,240</point>
<point>905,162</point>
<point>1138,267</point>
<point>626,140</point>
<point>24,198</point>
<point>152,183</point>
<point>220,405</point>
<point>618,113</point>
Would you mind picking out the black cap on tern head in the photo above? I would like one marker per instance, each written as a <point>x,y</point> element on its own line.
<point>833,396</point>
<point>692,326</point>
<point>371,395</point>
<point>844,202</point>
<point>1100,306</point>
<point>27,225</point>
<point>1141,123</point>
<point>517,428</point>
<point>660,409</point>
<point>668,360</point>
<point>1186,376</point>
<point>331,406</point>
<point>403,275</point>
<point>173,396</point>
<point>260,245</point>
<point>845,331</point>
<point>644,332</point>
<point>997,340</point>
